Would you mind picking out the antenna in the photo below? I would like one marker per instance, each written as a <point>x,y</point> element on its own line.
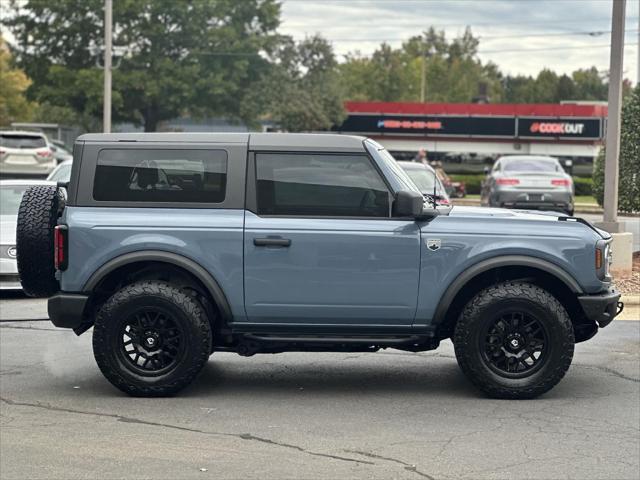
<point>435,184</point>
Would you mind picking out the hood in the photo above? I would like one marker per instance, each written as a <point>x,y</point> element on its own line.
<point>8,225</point>
<point>528,215</point>
<point>504,213</point>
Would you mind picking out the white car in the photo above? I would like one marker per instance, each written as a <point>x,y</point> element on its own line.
<point>62,173</point>
<point>25,153</point>
<point>60,151</point>
<point>11,192</point>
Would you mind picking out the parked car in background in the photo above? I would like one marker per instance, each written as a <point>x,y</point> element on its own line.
<point>11,192</point>
<point>60,152</point>
<point>25,153</point>
<point>528,181</point>
<point>426,179</point>
<point>62,173</point>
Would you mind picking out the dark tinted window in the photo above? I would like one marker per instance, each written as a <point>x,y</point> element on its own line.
<point>22,141</point>
<point>136,175</point>
<point>320,185</point>
<point>531,166</point>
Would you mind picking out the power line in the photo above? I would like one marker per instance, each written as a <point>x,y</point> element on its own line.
<point>593,33</point>
<point>543,49</point>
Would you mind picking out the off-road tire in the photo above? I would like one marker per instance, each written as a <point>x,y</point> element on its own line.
<point>40,208</point>
<point>186,311</point>
<point>482,308</point>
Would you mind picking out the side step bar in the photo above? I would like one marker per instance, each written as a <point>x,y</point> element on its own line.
<point>336,340</point>
<point>248,344</point>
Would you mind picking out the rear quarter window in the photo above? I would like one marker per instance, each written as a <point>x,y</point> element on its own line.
<point>161,175</point>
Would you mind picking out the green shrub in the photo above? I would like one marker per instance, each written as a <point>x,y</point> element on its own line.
<point>629,177</point>
<point>584,186</point>
<point>473,182</point>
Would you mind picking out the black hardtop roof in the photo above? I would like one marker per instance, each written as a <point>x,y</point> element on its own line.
<point>255,141</point>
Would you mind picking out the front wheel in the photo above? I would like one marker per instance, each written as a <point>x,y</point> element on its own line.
<point>151,339</point>
<point>514,340</point>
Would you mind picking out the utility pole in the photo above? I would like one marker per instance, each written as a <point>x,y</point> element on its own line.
<point>611,166</point>
<point>423,78</point>
<point>108,47</point>
<point>638,48</point>
<point>426,53</point>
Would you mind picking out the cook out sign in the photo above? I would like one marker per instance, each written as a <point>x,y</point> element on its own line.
<point>557,128</point>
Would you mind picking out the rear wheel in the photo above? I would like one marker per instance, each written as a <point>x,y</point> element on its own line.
<point>514,340</point>
<point>151,339</point>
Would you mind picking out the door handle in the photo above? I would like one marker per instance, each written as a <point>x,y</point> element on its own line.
<point>271,242</point>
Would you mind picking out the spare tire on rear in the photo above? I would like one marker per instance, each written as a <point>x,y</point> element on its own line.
<point>38,215</point>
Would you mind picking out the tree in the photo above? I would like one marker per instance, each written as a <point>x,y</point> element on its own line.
<point>590,84</point>
<point>565,89</point>
<point>546,86</point>
<point>629,177</point>
<point>302,90</point>
<point>14,106</point>
<point>452,71</point>
<point>197,57</point>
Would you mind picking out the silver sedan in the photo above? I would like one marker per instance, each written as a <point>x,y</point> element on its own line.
<point>530,182</point>
<point>11,192</point>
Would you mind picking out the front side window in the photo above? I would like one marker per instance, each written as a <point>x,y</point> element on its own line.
<point>319,185</point>
<point>167,175</point>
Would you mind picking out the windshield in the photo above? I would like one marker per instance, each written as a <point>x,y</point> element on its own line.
<point>22,141</point>
<point>531,166</point>
<point>424,180</point>
<point>10,197</point>
<point>61,174</point>
<point>387,159</point>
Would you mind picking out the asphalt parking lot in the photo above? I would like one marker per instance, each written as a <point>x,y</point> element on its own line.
<point>298,415</point>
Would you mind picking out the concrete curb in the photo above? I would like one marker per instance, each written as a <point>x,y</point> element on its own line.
<point>630,299</point>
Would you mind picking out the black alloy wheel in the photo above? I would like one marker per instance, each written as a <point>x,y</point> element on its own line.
<point>515,344</point>
<point>151,341</point>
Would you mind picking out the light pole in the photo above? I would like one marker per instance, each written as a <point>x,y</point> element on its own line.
<point>423,79</point>
<point>613,119</point>
<point>108,34</point>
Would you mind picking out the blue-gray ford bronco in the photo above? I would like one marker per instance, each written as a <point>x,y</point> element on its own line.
<point>174,246</point>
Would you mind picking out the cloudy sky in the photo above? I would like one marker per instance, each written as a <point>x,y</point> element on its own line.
<point>521,36</point>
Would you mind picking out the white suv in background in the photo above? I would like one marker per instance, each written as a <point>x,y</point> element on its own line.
<point>25,153</point>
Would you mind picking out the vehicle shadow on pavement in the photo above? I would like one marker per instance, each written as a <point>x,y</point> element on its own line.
<point>275,378</point>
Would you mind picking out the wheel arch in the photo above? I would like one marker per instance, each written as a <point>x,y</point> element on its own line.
<point>509,267</point>
<point>207,280</point>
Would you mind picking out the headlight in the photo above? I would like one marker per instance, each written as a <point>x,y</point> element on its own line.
<point>603,259</point>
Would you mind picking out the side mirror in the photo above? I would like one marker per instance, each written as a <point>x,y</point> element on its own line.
<point>486,170</point>
<point>407,204</point>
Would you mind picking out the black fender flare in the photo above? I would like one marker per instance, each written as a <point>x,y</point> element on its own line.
<point>503,261</point>
<point>209,282</point>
